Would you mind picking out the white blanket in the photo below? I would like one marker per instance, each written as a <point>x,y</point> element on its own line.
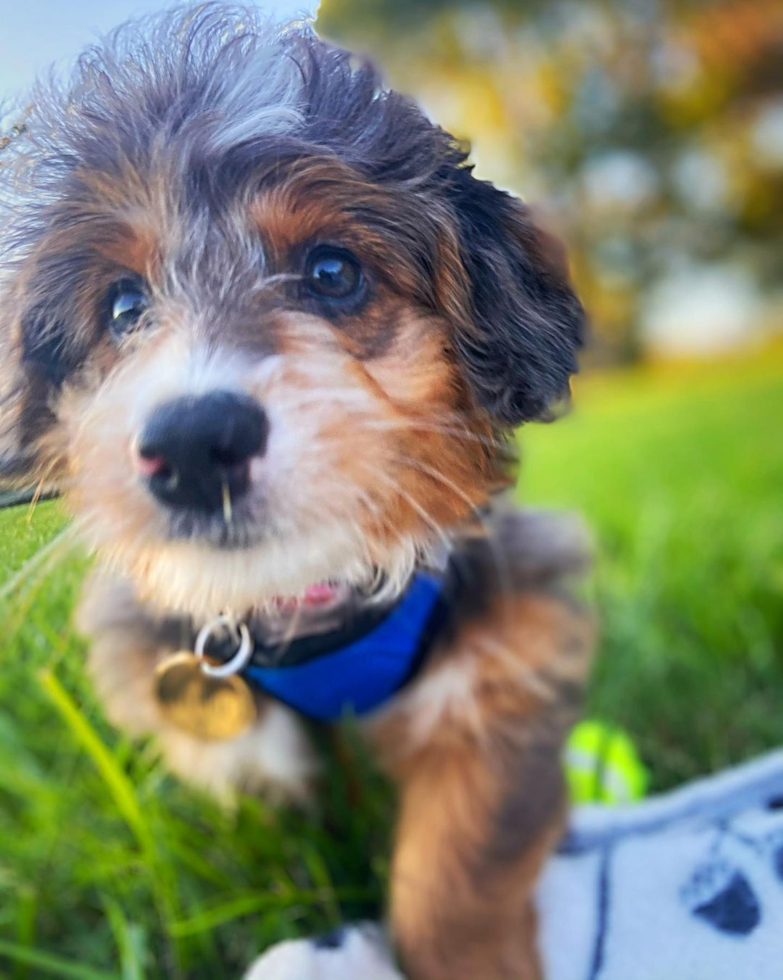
<point>683,886</point>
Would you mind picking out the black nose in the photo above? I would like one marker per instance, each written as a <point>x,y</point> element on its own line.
<point>195,452</point>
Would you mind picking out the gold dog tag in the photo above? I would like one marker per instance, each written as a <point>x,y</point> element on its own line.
<point>211,708</point>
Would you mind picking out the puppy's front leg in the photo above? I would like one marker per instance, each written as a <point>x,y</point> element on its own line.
<point>476,749</point>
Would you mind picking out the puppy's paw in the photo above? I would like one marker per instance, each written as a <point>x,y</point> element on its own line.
<point>274,759</point>
<point>353,953</point>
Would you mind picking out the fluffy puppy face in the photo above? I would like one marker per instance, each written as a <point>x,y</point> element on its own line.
<point>262,325</point>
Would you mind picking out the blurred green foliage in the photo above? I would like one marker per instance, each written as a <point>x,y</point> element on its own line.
<point>650,132</point>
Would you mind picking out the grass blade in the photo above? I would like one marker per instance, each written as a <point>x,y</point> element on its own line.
<point>130,942</point>
<point>124,795</point>
<point>52,965</point>
<point>118,784</point>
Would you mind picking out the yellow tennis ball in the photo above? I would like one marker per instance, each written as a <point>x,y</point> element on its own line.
<point>603,766</point>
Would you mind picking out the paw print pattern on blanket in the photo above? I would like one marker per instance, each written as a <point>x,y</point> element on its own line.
<point>721,894</point>
<point>684,886</point>
<point>720,891</point>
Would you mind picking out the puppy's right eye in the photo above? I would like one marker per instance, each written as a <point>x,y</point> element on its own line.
<point>127,301</point>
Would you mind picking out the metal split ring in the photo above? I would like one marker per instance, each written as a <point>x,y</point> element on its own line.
<point>241,658</point>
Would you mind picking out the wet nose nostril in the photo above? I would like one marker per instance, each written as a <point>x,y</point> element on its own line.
<point>151,465</point>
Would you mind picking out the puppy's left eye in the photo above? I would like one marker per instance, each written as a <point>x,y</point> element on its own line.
<point>127,301</point>
<point>332,274</point>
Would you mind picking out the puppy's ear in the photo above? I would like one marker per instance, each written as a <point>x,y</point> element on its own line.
<point>524,323</point>
<point>18,462</point>
<point>24,400</point>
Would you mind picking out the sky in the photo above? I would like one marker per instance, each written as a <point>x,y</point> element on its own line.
<point>37,33</point>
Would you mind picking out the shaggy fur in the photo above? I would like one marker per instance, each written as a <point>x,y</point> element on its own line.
<point>205,157</point>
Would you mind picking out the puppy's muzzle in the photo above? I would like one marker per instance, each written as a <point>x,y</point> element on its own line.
<point>195,452</point>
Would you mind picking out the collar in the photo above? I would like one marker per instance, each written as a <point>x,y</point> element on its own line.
<point>357,667</point>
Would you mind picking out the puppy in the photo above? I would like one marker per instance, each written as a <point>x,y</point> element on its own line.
<point>269,336</point>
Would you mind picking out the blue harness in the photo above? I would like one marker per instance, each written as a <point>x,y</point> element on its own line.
<point>357,673</point>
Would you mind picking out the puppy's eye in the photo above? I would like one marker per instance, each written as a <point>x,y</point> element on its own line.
<point>127,301</point>
<point>332,274</point>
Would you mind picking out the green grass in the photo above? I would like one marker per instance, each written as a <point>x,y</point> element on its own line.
<point>108,868</point>
<point>681,478</point>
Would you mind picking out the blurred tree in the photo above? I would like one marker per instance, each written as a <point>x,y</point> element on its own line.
<point>650,131</point>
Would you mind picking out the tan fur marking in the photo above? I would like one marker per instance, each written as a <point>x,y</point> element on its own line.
<point>135,249</point>
<point>286,219</point>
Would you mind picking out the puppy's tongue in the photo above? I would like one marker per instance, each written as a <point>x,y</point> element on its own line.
<point>320,593</point>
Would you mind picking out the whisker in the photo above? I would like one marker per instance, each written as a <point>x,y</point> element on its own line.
<point>420,510</point>
<point>497,553</point>
<point>411,461</point>
<point>416,425</point>
<point>228,510</point>
<point>41,562</point>
<point>38,493</point>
